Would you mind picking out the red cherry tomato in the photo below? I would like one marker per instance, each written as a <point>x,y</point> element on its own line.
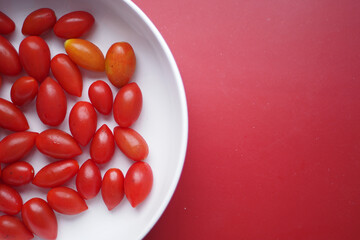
<point>51,102</point>
<point>120,63</point>
<point>24,90</point>
<point>56,174</point>
<point>57,144</point>
<point>102,146</point>
<point>67,74</point>
<point>6,24</point>
<point>88,180</point>
<point>127,105</point>
<point>16,146</point>
<point>131,143</point>
<point>66,201</point>
<point>83,122</point>
<point>17,174</point>
<point>101,96</point>
<point>39,218</point>
<point>38,22</point>
<point>9,58</point>
<point>34,55</point>
<point>112,188</point>
<point>73,24</point>
<point>10,200</point>
<point>138,183</point>
<point>11,117</point>
<point>12,228</point>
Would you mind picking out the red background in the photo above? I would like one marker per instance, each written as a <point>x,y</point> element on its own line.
<point>274,118</point>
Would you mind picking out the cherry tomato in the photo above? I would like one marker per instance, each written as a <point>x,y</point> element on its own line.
<point>74,24</point>
<point>38,22</point>
<point>34,55</point>
<point>102,146</point>
<point>56,174</point>
<point>88,180</point>
<point>112,188</point>
<point>9,58</point>
<point>57,144</point>
<point>51,104</point>
<point>66,201</point>
<point>67,74</point>
<point>17,174</point>
<point>127,105</point>
<point>131,143</point>
<point>16,146</point>
<point>24,90</point>
<point>12,228</point>
<point>138,182</point>
<point>11,117</point>
<point>120,63</point>
<point>10,200</point>
<point>6,24</point>
<point>101,96</point>
<point>39,218</point>
<point>85,54</point>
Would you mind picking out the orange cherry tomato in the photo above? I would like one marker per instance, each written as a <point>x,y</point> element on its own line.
<point>24,90</point>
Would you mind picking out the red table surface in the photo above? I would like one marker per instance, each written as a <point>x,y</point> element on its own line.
<point>273,90</point>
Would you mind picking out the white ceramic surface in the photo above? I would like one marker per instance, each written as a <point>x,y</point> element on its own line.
<point>163,121</point>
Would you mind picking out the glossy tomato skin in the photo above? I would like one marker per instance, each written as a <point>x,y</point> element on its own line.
<point>51,103</point>
<point>120,63</point>
<point>39,22</point>
<point>138,183</point>
<point>10,200</point>
<point>9,58</point>
<point>127,105</point>
<point>101,97</point>
<point>57,144</point>
<point>74,24</point>
<point>66,201</point>
<point>131,143</point>
<point>112,188</point>
<point>11,117</point>
<point>85,54</point>
<point>39,218</point>
<point>24,90</point>
<point>12,228</point>
<point>34,55</point>
<point>56,174</point>
<point>6,24</point>
<point>102,146</point>
<point>88,180</point>
<point>67,74</point>
<point>17,174</point>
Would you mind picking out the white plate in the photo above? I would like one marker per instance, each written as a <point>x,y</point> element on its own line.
<point>163,121</point>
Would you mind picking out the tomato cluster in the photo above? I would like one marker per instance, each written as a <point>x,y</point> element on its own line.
<point>37,215</point>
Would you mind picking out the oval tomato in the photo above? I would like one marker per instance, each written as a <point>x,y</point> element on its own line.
<point>11,117</point>
<point>38,22</point>
<point>10,200</point>
<point>131,143</point>
<point>39,218</point>
<point>6,24</point>
<point>12,228</point>
<point>9,58</point>
<point>85,54</point>
<point>51,103</point>
<point>127,105</point>
<point>138,183</point>
<point>88,180</point>
<point>66,201</point>
<point>102,146</point>
<point>112,188</point>
<point>17,174</point>
<point>24,90</point>
<point>67,74</point>
<point>101,96</point>
<point>73,24</point>
<point>57,144</point>
<point>120,63</point>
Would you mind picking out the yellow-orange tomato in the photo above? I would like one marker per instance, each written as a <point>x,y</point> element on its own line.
<point>120,63</point>
<point>85,54</point>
